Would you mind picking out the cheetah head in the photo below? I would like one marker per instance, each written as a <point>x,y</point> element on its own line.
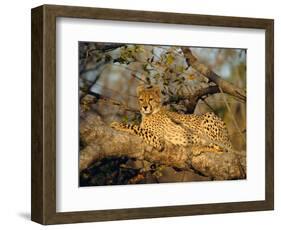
<point>149,99</point>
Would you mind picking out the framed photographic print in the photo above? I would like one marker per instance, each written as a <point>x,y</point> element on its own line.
<point>140,114</point>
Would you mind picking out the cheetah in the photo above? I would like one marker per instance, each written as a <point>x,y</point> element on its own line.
<point>202,133</point>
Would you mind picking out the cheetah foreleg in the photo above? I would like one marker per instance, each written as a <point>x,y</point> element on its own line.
<point>148,137</point>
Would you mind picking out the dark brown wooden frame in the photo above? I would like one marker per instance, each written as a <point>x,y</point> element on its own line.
<point>43,207</point>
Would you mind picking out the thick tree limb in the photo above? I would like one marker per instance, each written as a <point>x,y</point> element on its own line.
<point>191,100</point>
<point>226,86</point>
<point>102,141</point>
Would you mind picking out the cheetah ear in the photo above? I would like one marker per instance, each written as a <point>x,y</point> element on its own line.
<point>140,88</point>
<point>157,90</point>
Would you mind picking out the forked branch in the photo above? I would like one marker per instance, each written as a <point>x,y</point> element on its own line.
<point>226,86</point>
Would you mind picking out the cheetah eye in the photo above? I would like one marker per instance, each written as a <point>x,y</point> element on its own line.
<point>140,99</point>
<point>150,99</point>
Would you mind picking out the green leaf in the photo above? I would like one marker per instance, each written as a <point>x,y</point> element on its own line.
<point>180,69</point>
<point>170,59</point>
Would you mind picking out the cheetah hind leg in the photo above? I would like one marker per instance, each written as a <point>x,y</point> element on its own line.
<point>211,148</point>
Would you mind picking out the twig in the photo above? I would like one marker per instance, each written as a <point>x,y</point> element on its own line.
<point>231,115</point>
<point>208,105</point>
<point>131,70</point>
<point>113,102</point>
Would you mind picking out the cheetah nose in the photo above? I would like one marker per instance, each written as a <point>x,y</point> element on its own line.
<point>145,107</point>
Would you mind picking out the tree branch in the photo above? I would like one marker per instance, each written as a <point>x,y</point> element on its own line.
<point>191,100</point>
<point>226,86</point>
<point>105,47</point>
<point>102,141</point>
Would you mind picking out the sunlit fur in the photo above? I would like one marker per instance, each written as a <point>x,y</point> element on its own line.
<point>206,132</point>
<point>149,99</point>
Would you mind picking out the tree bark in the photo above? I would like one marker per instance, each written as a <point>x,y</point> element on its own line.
<point>101,141</point>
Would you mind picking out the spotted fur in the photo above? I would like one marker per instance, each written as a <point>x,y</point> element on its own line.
<point>205,132</point>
